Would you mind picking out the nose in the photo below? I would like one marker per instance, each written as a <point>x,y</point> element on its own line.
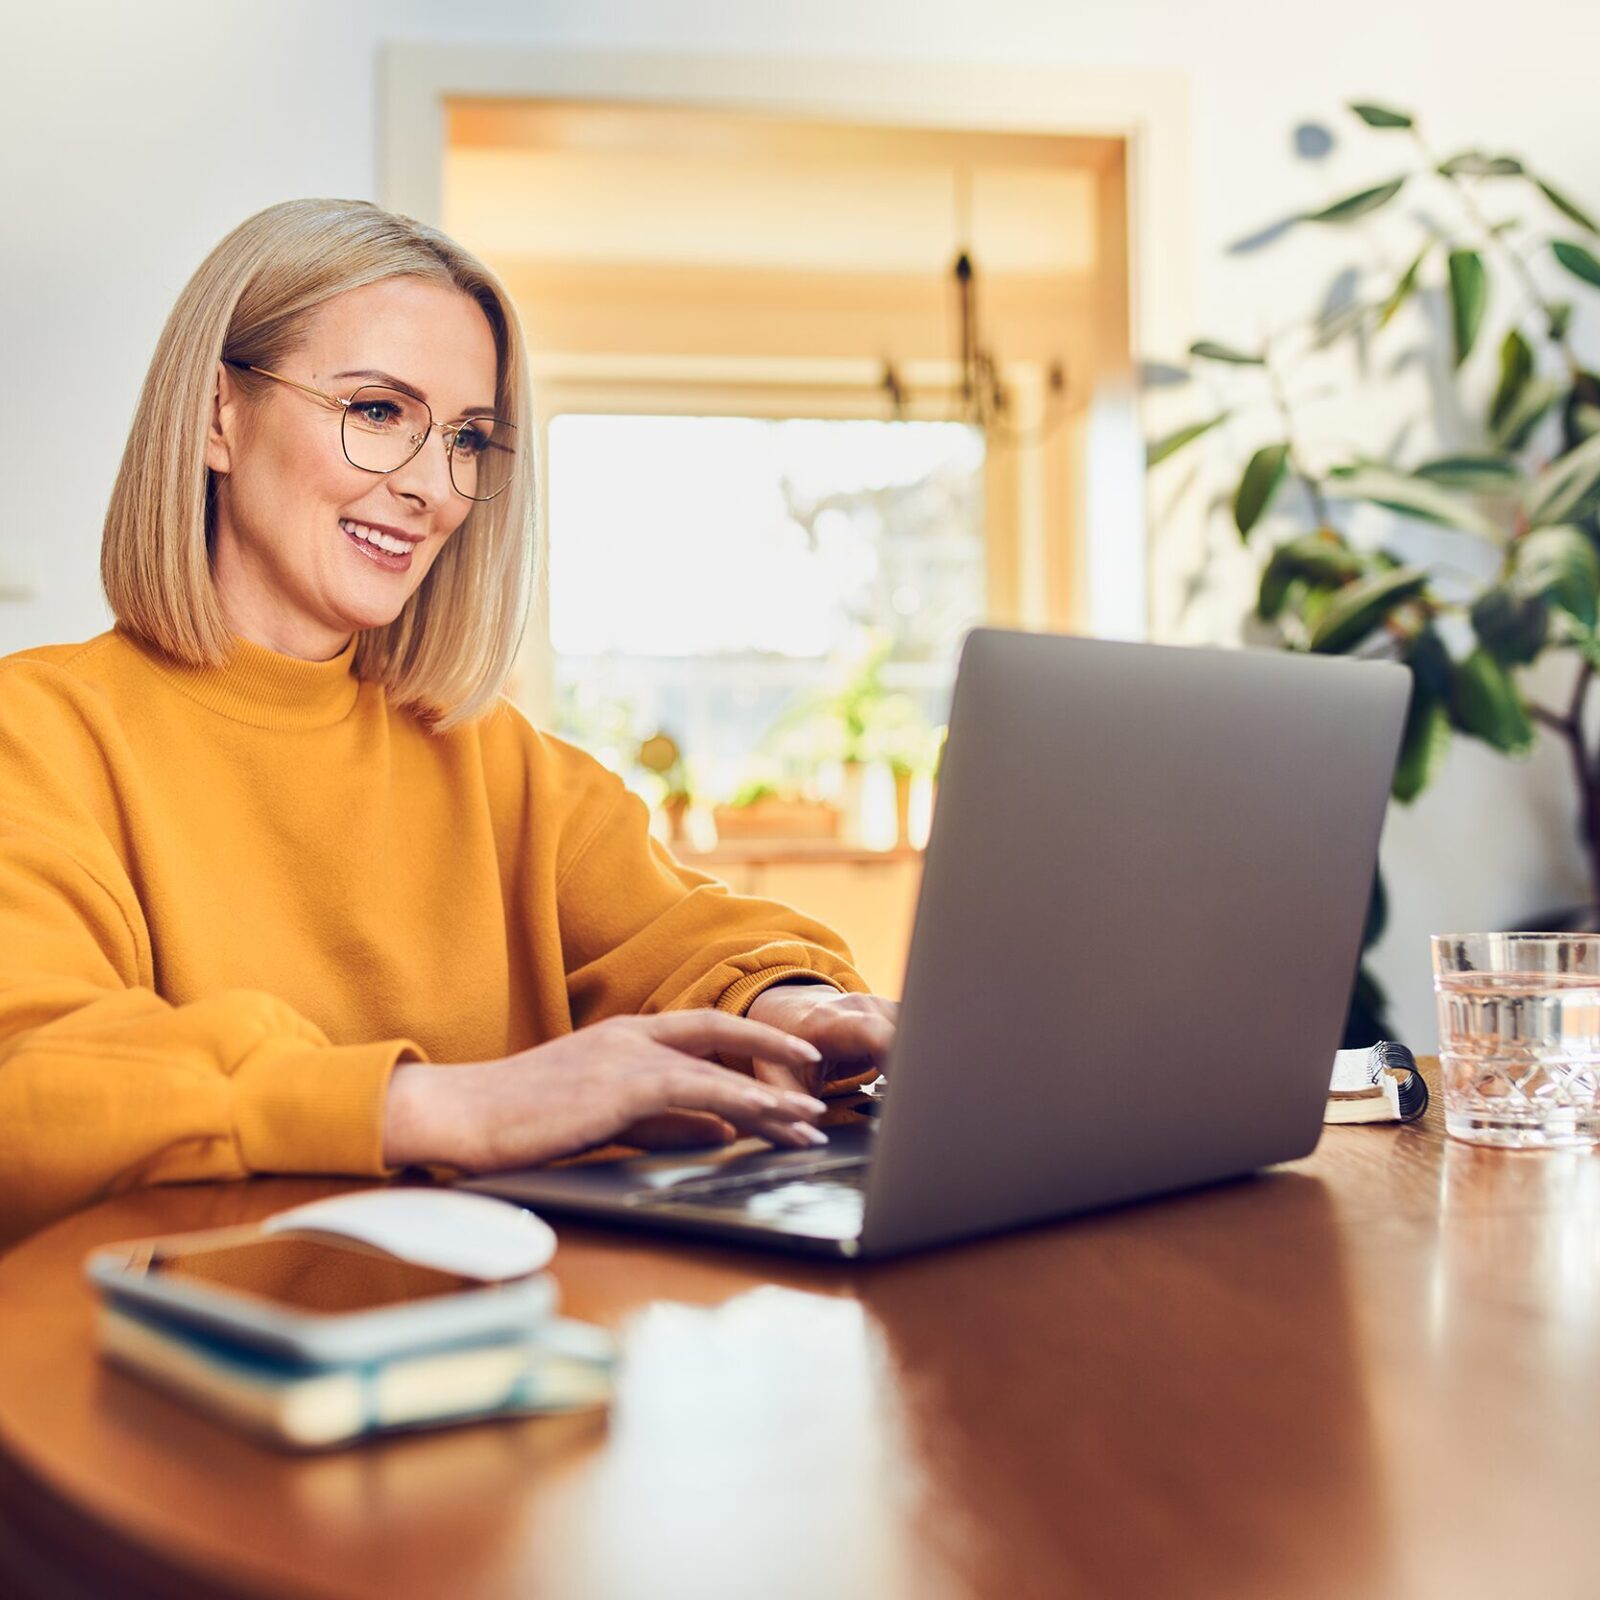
<point>426,476</point>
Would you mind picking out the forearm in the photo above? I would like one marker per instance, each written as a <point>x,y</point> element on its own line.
<point>128,1090</point>
<point>642,933</point>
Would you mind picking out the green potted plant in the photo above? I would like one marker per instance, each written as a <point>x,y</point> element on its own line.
<point>859,723</point>
<point>1514,477</point>
<point>659,753</point>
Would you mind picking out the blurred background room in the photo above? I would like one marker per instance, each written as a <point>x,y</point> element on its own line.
<point>855,325</point>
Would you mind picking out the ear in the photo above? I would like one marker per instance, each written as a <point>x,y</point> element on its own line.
<point>222,436</point>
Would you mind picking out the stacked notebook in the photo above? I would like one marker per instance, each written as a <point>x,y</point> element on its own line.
<point>308,1406</point>
<point>1381,1084</point>
<point>397,1307</point>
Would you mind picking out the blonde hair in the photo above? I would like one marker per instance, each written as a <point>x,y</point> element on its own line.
<point>447,654</point>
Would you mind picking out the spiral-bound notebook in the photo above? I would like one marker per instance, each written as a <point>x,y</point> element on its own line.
<point>1380,1084</point>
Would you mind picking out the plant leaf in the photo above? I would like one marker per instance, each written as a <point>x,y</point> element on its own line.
<point>1403,290</point>
<point>1358,608</point>
<point>1469,294</point>
<point>1379,116</point>
<point>1475,164</point>
<point>1377,913</point>
<point>1477,474</point>
<point>1357,205</point>
<point>1411,497</point>
<point>1579,261</point>
<point>1422,745</point>
<point>1322,560</point>
<point>1564,485</point>
<point>1583,396</point>
<point>1525,415</point>
<point>1430,663</point>
<point>1569,209</point>
<point>1562,566</point>
<point>1487,705</point>
<point>1560,319</point>
<point>1512,626</point>
<point>1209,350</point>
<point>1258,485</point>
<point>1516,367</point>
<point>1160,449</point>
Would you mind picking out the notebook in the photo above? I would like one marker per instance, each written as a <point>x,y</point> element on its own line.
<point>1380,1084</point>
<point>306,1407</point>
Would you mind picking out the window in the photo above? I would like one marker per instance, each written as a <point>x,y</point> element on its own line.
<point>762,537</point>
<point>778,596</point>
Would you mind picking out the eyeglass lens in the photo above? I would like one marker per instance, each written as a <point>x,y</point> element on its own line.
<point>384,429</point>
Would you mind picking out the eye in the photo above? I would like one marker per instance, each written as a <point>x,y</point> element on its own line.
<point>374,413</point>
<point>472,439</point>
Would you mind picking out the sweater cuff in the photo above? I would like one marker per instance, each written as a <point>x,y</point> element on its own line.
<point>739,994</point>
<point>315,1108</point>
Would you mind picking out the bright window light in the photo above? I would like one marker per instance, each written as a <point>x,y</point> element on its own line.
<point>725,579</point>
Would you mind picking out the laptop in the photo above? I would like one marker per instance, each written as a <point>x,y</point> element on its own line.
<point>1140,917</point>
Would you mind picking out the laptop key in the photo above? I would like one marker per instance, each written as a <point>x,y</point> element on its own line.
<point>850,1169</point>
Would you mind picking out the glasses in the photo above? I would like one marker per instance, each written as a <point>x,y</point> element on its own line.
<point>383,428</point>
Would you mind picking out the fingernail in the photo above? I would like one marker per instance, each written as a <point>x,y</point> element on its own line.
<point>815,1107</point>
<point>809,1134</point>
<point>805,1048</point>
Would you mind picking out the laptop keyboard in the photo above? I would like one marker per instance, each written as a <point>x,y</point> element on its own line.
<point>825,1199</point>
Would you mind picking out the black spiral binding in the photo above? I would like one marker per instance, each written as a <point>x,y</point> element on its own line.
<point>1387,1056</point>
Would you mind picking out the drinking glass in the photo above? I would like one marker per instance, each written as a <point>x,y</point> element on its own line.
<point>1519,1037</point>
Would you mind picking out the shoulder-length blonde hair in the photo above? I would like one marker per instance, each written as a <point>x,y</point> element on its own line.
<point>447,654</point>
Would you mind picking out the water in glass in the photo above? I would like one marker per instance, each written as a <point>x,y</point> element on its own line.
<point>1519,1031</point>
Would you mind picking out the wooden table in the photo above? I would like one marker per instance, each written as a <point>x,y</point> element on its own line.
<point>1374,1373</point>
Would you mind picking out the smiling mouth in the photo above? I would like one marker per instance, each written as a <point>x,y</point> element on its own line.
<point>382,549</point>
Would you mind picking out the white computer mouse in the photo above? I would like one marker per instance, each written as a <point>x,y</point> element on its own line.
<point>443,1228</point>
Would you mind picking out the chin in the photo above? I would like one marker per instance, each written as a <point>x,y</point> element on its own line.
<point>365,619</point>
<point>364,611</point>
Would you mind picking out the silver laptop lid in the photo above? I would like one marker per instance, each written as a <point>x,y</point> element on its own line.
<point>1139,922</point>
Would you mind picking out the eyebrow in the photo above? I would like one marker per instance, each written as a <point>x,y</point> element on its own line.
<point>410,389</point>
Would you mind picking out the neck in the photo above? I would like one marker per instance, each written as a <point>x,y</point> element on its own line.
<point>251,614</point>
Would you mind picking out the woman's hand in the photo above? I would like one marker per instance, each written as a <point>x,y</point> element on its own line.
<point>645,1079</point>
<point>852,1033</point>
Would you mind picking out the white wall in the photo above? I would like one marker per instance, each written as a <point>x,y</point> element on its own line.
<point>133,136</point>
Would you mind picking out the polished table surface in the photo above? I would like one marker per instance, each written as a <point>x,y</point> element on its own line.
<point>1374,1372</point>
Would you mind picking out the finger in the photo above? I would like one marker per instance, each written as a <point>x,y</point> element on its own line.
<point>774,1113</point>
<point>778,1076</point>
<point>709,1033</point>
<point>678,1129</point>
<point>854,1036</point>
<point>680,1080</point>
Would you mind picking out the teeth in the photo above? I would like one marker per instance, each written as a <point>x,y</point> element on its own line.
<point>383,541</point>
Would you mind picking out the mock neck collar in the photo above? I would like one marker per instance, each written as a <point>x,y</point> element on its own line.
<point>259,686</point>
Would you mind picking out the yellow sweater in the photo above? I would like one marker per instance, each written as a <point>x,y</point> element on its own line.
<point>232,899</point>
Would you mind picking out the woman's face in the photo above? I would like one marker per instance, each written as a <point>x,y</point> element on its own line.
<point>290,573</point>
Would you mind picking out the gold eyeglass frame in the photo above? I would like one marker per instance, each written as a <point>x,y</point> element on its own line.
<point>450,430</point>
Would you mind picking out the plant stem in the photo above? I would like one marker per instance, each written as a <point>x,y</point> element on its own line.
<point>1570,729</point>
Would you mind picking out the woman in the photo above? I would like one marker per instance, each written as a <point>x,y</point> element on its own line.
<point>284,885</point>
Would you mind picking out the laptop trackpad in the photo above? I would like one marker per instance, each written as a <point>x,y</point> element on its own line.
<point>734,1180</point>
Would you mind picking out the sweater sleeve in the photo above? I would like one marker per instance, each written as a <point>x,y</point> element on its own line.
<point>105,1085</point>
<point>641,932</point>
